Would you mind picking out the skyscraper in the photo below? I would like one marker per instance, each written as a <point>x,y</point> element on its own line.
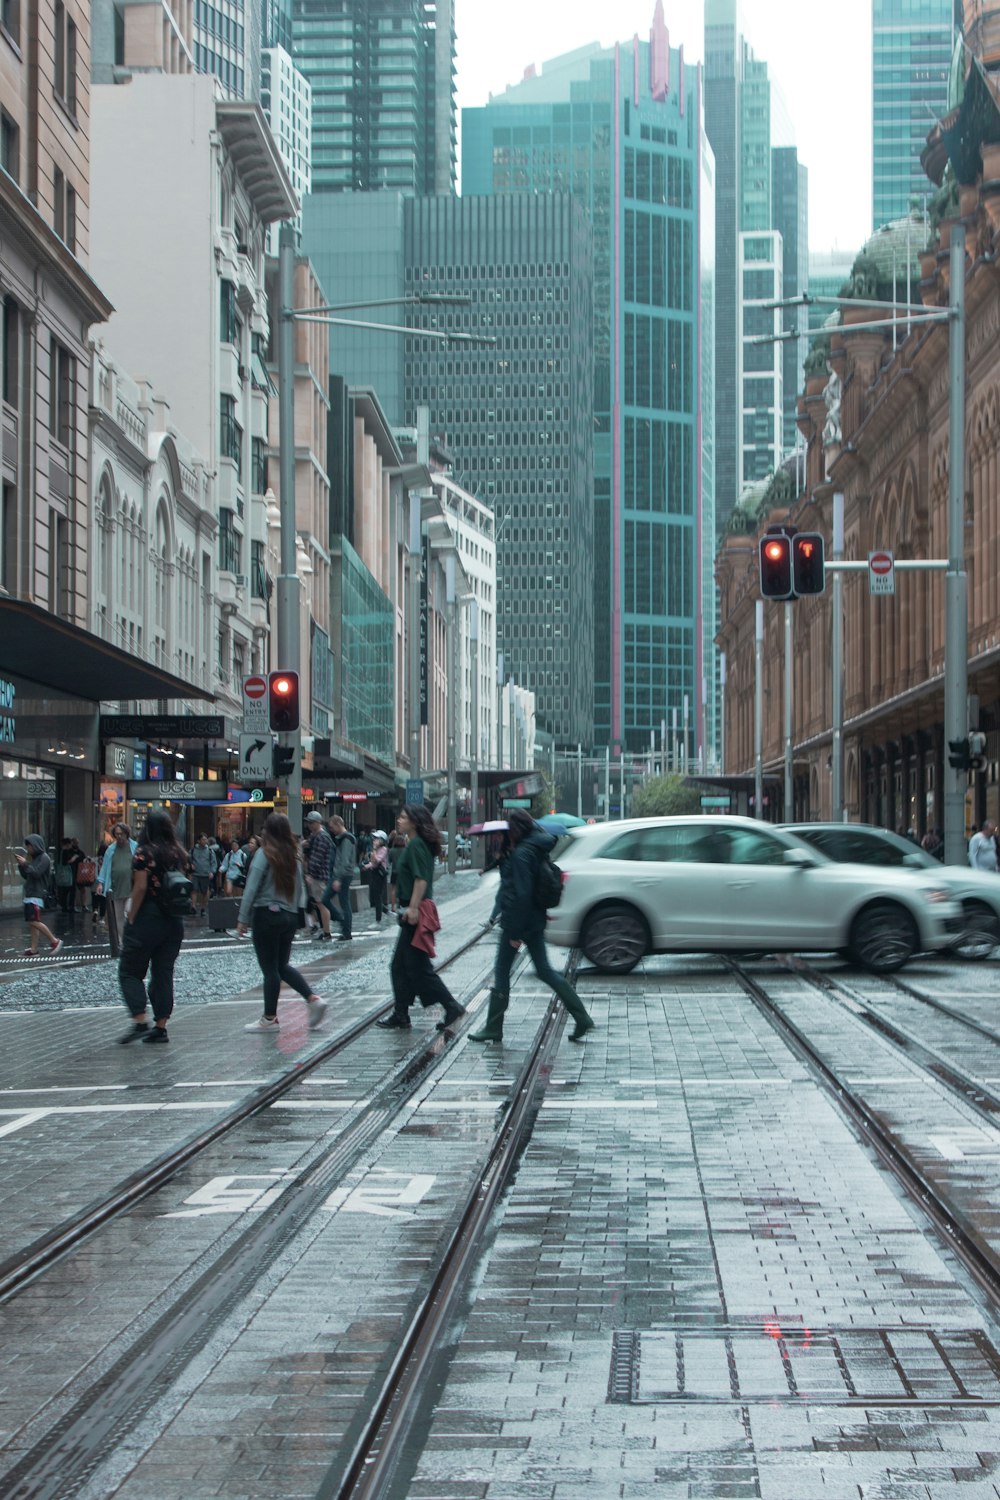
<point>621,128</point>
<point>286,100</point>
<point>383,81</point>
<point>912,43</point>
<point>790,214</point>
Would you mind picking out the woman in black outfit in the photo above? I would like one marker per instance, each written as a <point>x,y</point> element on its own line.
<point>152,936</point>
<point>273,908</point>
<point>412,972</point>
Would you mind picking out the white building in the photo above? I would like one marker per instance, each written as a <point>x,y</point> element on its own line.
<point>472,525</point>
<point>183,188</point>
<point>759,374</point>
<point>286,99</point>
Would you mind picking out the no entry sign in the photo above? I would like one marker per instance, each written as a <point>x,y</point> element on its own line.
<point>255,719</point>
<point>881,573</point>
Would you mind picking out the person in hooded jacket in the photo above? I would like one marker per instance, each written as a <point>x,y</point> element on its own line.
<point>34,868</point>
<point>522,920</point>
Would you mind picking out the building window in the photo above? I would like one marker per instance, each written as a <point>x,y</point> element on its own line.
<point>229,322</point>
<point>230,543</point>
<point>8,538</point>
<point>59,574</point>
<point>10,146</point>
<point>61,365</point>
<point>64,79</point>
<point>10,19</point>
<point>64,210</point>
<point>231,434</point>
<point>259,462</point>
<point>258,571</point>
<point>10,351</point>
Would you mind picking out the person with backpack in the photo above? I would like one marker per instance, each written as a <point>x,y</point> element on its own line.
<point>154,929</point>
<point>527,890</point>
<point>35,869</point>
<point>272,910</point>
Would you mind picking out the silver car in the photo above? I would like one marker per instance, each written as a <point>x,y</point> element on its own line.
<point>726,884</point>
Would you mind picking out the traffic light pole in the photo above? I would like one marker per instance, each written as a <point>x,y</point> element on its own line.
<point>956,609</point>
<point>789,662</point>
<point>288,581</point>
<point>837,664</point>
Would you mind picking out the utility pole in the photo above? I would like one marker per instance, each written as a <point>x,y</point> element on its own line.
<point>837,664</point>
<point>758,711</point>
<point>789,809</point>
<point>474,747</point>
<point>414,565</point>
<point>451,611</point>
<point>579,780</point>
<point>956,652</point>
<point>288,581</point>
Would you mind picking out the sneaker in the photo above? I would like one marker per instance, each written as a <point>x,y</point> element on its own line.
<point>56,946</point>
<point>30,953</point>
<point>134,1033</point>
<point>316,1010</point>
<point>263,1024</point>
<point>156,1034</point>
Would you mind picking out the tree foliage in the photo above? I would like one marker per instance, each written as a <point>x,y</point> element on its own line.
<point>544,801</point>
<point>665,796</point>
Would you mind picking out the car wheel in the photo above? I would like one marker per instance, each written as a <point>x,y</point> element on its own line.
<point>981,934</point>
<point>883,937</point>
<point>615,938</point>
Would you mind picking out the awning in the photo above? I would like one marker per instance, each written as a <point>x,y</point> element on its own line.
<point>60,655</point>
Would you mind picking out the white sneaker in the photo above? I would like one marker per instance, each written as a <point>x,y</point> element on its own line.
<point>262,1024</point>
<point>316,1010</point>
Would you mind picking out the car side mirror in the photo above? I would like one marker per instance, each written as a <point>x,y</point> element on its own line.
<point>799,858</point>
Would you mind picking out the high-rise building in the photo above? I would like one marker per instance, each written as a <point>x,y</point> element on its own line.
<point>286,100</point>
<point>828,272</point>
<point>140,36</point>
<point>912,44</point>
<point>227,44</point>
<point>622,129</point>
<point>790,215</point>
<point>383,80</point>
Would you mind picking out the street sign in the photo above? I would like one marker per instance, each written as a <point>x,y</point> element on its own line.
<point>415,793</point>
<point>255,757</point>
<point>715,801</point>
<point>881,573</point>
<point>255,707</point>
<point>516,802</point>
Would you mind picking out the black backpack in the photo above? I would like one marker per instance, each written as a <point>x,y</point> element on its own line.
<point>174,899</point>
<point>548,883</point>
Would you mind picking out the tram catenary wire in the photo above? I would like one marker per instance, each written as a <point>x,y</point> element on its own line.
<point>976,1254</point>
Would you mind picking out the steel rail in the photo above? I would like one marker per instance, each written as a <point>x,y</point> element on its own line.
<point>21,1268</point>
<point>945,1010</point>
<point>976,1255</point>
<point>372,1462</point>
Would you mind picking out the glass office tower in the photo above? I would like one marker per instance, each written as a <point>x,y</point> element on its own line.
<point>622,130</point>
<point>912,43</point>
<point>383,85</point>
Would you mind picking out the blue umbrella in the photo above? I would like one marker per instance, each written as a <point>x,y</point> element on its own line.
<point>559,822</point>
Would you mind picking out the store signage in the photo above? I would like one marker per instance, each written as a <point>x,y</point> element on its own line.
<point>354,796</point>
<point>8,718</point>
<point>258,794</point>
<point>116,761</point>
<point>162,726</point>
<point>516,802</point>
<point>177,791</point>
<point>715,801</point>
<point>44,791</point>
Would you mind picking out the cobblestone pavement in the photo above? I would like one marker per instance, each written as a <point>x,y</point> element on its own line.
<point>700,1283</point>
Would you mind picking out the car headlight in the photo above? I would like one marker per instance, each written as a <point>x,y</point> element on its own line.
<point>937,896</point>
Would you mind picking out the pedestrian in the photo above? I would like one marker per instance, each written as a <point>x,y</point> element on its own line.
<point>983,849</point>
<point>273,909</point>
<point>35,868</point>
<point>114,881</point>
<point>411,971</point>
<point>396,845</point>
<point>204,865</point>
<point>522,920</point>
<point>377,868</point>
<point>932,844</point>
<point>337,896</point>
<point>154,931</point>
<point>319,863</point>
<point>86,877</point>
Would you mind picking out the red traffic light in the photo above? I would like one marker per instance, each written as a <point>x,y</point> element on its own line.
<point>775,555</point>
<point>283,701</point>
<point>808,563</point>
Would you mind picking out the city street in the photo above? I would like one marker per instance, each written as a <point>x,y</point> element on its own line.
<point>700,1279</point>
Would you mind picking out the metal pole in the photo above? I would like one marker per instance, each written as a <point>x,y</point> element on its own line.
<point>956,671</point>
<point>474,747</point>
<point>414,561</point>
<point>684,751</point>
<point>674,761</point>
<point>607,783</point>
<point>579,780</point>
<point>451,611</point>
<point>722,712</point>
<point>837,663</point>
<point>789,811</point>
<point>510,715</point>
<point>663,747</point>
<point>499,709</point>
<point>288,582</point>
<point>758,712</point>
<point>621,799</point>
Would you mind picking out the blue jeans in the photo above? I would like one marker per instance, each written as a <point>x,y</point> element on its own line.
<point>338,903</point>
<point>535,945</point>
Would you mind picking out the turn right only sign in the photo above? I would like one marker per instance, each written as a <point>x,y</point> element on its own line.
<point>881,573</point>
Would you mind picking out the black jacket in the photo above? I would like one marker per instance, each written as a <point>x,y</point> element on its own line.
<point>520,914</point>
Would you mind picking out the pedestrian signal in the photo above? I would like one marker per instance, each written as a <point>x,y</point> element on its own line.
<point>775,553</point>
<point>958,755</point>
<point>808,564</point>
<point>282,761</point>
<point>977,750</point>
<point>283,701</point>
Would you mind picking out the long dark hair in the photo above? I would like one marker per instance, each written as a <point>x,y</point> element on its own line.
<point>281,852</point>
<point>425,826</point>
<point>520,824</point>
<point>160,836</point>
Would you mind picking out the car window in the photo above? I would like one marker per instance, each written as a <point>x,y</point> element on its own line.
<point>676,843</point>
<point>851,846</point>
<point>628,846</point>
<point>747,846</point>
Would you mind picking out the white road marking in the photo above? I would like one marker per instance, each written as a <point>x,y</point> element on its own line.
<point>231,1195</point>
<point>22,1120</point>
<point>376,1196</point>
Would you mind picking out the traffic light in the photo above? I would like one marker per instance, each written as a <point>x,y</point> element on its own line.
<point>282,761</point>
<point>283,701</point>
<point>958,754</point>
<point>776,566</point>
<point>808,563</point>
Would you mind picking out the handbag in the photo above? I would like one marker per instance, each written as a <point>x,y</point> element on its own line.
<point>64,877</point>
<point>86,872</point>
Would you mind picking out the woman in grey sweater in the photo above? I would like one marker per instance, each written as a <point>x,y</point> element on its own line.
<point>273,900</point>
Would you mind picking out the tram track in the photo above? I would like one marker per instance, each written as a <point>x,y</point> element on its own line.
<point>60,1463</point>
<point>977,1254</point>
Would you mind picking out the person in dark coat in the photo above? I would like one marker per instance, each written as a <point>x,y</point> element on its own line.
<point>412,973</point>
<point>34,868</point>
<point>522,920</point>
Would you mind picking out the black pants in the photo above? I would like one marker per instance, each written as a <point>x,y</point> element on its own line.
<point>66,896</point>
<point>413,976</point>
<point>377,884</point>
<point>152,940</point>
<point>272,942</point>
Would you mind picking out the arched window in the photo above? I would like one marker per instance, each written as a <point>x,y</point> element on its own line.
<point>161,583</point>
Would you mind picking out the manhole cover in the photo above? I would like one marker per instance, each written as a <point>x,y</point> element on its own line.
<point>831,1366</point>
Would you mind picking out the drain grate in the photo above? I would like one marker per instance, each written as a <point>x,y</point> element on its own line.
<point>830,1366</point>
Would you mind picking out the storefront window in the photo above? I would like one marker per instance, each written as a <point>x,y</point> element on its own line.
<point>27,805</point>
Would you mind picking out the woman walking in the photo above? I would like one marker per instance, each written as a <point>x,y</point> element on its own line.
<point>411,971</point>
<point>114,883</point>
<point>522,920</point>
<point>376,867</point>
<point>154,930</point>
<point>272,908</point>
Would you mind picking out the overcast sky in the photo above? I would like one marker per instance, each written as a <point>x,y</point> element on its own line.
<point>820,55</point>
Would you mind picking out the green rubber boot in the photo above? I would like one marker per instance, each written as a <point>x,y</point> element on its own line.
<point>493,1030</point>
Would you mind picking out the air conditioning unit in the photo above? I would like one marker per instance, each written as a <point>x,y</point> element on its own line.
<point>242,580</point>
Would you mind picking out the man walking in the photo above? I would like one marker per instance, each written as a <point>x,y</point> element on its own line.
<point>319,863</point>
<point>983,849</point>
<point>344,865</point>
<point>204,865</point>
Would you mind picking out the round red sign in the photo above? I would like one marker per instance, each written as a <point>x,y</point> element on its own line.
<point>880,563</point>
<point>255,687</point>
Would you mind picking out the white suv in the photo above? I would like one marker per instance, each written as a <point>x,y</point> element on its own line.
<point>724,884</point>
